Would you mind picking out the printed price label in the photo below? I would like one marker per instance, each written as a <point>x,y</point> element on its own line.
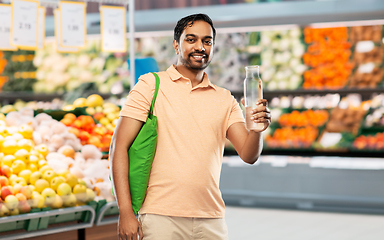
<point>5,28</point>
<point>59,48</point>
<point>113,29</point>
<point>41,38</point>
<point>24,30</point>
<point>73,24</point>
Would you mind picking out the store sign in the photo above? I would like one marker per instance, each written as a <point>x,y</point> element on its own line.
<point>113,29</point>
<point>41,38</point>
<point>73,25</point>
<point>5,28</point>
<point>59,48</point>
<point>24,28</point>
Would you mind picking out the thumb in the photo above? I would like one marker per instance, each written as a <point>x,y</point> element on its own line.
<point>243,101</point>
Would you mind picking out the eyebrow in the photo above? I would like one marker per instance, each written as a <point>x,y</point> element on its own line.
<point>193,35</point>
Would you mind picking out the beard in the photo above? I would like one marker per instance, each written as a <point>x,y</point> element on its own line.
<point>195,66</point>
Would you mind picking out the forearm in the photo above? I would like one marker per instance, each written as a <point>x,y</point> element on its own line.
<point>120,165</point>
<point>252,147</point>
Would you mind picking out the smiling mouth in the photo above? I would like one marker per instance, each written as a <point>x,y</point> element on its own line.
<point>198,57</point>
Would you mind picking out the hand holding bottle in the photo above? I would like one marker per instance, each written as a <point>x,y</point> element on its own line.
<point>258,117</point>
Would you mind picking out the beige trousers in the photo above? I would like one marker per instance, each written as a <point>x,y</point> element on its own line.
<point>158,227</point>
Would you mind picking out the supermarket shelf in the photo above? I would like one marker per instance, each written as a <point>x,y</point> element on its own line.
<point>366,93</point>
<point>248,15</point>
<point>329,184</point>
<point>43,223</point>
<point>107,214</point>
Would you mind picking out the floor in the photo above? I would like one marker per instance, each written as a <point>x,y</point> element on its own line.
<point>277,224</point>
<point>273,224</point>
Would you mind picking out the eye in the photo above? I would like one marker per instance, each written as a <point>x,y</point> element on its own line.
<point>190,40</point>
<point>208,42</point>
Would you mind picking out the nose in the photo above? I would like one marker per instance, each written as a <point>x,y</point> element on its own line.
<point>199,46</point>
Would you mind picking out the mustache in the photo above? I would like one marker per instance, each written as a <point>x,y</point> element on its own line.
<point>203,53</point>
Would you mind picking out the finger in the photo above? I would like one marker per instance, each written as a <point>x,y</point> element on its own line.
<point>243,101</point>
<point>140,233</point>
<point>263,102</point>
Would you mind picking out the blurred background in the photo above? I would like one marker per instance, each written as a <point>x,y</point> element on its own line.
<point>321,63</point>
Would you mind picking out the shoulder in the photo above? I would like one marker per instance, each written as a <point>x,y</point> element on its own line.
<point>225,93</point>
<point>150,79</point>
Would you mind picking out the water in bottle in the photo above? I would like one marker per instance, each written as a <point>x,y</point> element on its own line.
<point>253,91</point>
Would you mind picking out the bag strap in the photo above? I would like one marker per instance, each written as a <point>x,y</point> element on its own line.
<point>156,91</point>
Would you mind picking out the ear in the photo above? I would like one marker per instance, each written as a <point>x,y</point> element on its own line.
<point>176,46</point>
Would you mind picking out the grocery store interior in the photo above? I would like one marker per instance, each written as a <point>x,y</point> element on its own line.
<point>66,69</point>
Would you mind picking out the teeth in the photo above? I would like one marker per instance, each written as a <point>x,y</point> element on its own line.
<point>198,57</point>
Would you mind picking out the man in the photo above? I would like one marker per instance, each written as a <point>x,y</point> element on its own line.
<point>195,117</point>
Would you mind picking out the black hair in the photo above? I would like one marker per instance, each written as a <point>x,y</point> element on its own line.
<point>189,20</point>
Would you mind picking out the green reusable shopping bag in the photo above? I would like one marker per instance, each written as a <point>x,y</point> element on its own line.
<point>141,154</point>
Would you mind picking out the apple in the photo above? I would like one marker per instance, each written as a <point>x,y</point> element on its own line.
<point>4,181</point>
<point>80,192</point>
<point>25,144</point>
<point>12,177</point>
<point>71,179</point>
<point>8,160</point>
<point>41,163</point>
<point>82,182</point>
<point>21,197</point>
<point>32,187</point>
<point>58,203</point>
<point>6,171</point>
<point>37,201</point>
<point>49,195</point>
<point>56,181</point>
<point>18,166</point>
<point>27,191</point>
<point>63,172</point>
<point>90,195</point>
<point>42,149</point>
<point>24,207</point>
<point>11,202</point>
<point>69,200</point>
<point>35,176</point>
<point>44,168</point>
<point>64,189</point>
<point>26,174</point>
<point>33,159</point>
<point>49,175</point>
<point>16,188</point>
<point>22,155</point>
<point>14,212</point>
<point>19,180</point>
<point>4,211</point>
<point>9,146</point>
<point>26,130</point>
<point>41,184</point>
<point>32,167</point>
<point>5,191</point>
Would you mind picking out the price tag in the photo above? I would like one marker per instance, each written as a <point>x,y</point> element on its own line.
<point>5,28</point>
<point>73,24</point>
<point>24,30</point>
<point>113,29</point>
<point>41,37</point>
<point>56,14</point>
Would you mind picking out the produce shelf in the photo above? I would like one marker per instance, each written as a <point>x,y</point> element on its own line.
<point>47,222</point>
<point>107,213</point>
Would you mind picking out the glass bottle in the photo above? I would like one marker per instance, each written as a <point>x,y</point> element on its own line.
<point>253,91</point>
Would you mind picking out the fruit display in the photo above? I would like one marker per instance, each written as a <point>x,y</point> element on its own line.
<point>370,142</point>
<point>328,55</point>
<point>17,72</point>
<point>288,137</point>
<point>314,118</point>
<point>27,181</point>
<point>281,55</point>
<point>345,120</point>
<point>89,69</point>
<point>367,57</point>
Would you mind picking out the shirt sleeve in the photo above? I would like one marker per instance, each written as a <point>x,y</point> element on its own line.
<point>236,114</point>
<point>139,99</point>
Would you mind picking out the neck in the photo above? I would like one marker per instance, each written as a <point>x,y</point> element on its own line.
<point>196,76</point>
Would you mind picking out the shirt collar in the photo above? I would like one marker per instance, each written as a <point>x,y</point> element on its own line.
<point>175,75</point>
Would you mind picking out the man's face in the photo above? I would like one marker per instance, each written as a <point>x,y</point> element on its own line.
<point>195,47</point>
